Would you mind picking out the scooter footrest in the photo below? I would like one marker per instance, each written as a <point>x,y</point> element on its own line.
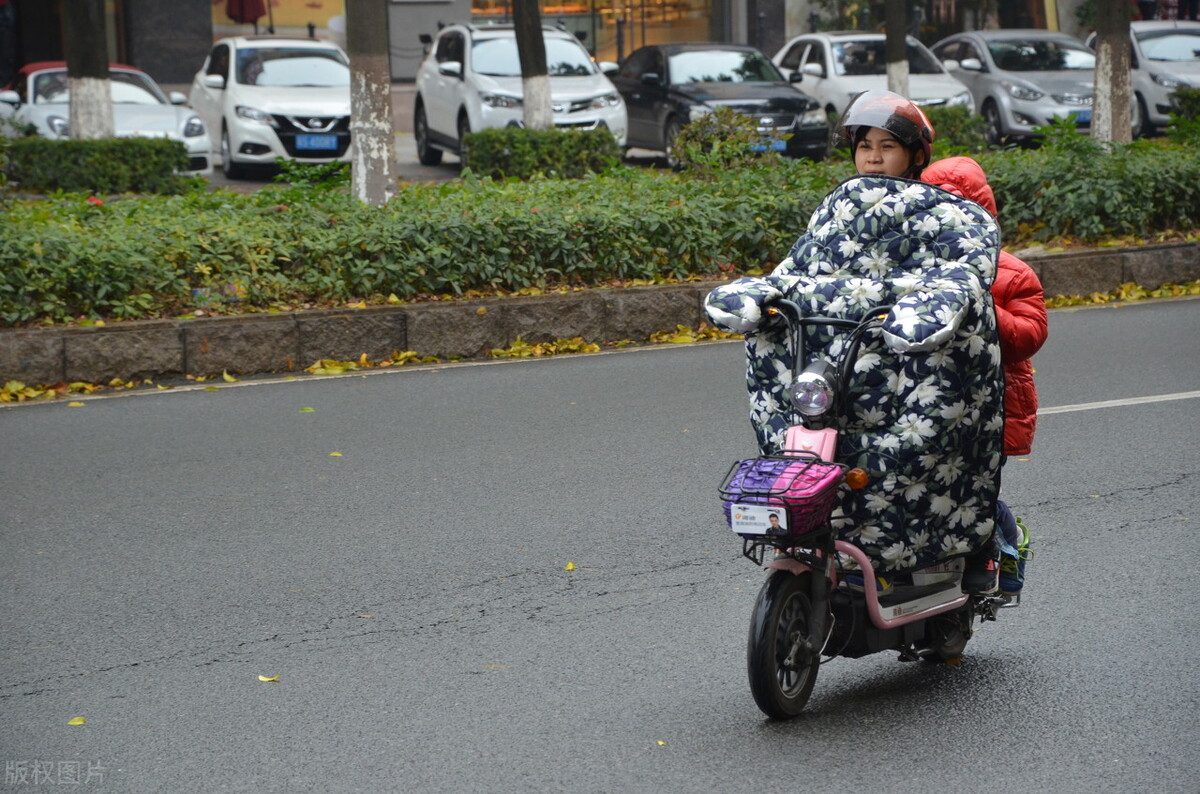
<point>905,594</point>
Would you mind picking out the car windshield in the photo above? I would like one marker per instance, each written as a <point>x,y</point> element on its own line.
<point>1023,55</point>
<point>497,57</point>
<point>292,67</point>
<point>722,66</point>
<point>869,57</point>
<point>127,88</point>
<point>1171,45</point>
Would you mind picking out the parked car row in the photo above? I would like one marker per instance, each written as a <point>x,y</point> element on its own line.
<point>259,98</point>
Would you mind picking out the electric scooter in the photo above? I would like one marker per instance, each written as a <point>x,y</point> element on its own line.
<point>822,599</point>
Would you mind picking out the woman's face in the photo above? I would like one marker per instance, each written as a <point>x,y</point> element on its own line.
<point>882,154</point>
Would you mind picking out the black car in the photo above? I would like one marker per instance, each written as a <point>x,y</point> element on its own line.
<point>667,85</point>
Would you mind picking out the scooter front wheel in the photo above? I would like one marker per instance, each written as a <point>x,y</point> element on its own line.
<point>781,656</point>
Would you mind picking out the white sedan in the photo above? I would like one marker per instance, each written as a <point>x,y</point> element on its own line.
<point>39,97</point>
<point>836,67</point>
<point>268,97</point>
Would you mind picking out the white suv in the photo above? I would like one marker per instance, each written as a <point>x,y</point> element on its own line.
<point>471,80</point>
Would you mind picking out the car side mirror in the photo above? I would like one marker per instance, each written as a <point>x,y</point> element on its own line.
<point>971,64</point>
<point>652,78</point>
<point>177,98</point>
<point>214,81</point>
<point>815,69</point>
<point>796,77</point>
<point>609,68</point>
<point>10,97</point>
<point>450,68</point>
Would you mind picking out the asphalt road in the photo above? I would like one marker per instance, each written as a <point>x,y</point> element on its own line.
<point>161,551</point>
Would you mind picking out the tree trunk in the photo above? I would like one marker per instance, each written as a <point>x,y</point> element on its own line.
<point>87,69</point>
<point>1111,119</point>
<point>895,19</point>
<point>373,164</point>
<point>535,80</point>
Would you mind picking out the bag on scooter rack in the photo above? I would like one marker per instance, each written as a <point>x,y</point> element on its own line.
<point>781,497</point>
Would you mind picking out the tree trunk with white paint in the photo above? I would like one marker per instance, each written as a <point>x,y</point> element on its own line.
<point>535,82</point>
<point>896,46</point>
<point>373,162</point>
<point>1111,103</point>
<point>87,70</point>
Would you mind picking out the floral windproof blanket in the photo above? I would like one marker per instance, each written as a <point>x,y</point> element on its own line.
<point>924,413</point>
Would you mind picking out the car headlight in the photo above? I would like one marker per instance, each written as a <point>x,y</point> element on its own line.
<point>194,127</point>
<point>604,102</point>
<point>1166,81</point>
<point>500,101</point>
<point>812,391</point>
<point>1024,92</point>
<point>959,99</point>
<point>254,114</point>
<point>814,118</point>
<point>698,112</point>
<point>58,125</point>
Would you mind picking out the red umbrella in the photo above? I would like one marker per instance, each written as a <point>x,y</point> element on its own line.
<point>245,11</point>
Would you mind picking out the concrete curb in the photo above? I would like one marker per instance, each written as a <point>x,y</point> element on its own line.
<point>260,343</point>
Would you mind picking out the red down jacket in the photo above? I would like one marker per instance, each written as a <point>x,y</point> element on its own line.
<point>1020,307</point>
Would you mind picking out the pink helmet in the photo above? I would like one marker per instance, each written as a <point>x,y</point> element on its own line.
<point>891,112</point>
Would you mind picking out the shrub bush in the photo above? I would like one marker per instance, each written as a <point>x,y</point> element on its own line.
<point>109,165</point>
<point>514,152</point>
<point>722,140</point>
<point>958,131</point>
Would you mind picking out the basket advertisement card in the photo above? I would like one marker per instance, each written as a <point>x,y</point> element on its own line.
<point>758,519</point>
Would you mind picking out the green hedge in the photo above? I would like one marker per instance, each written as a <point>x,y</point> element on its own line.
<point>143,257</point>
<point>109,165</point>
<point>513,152</point>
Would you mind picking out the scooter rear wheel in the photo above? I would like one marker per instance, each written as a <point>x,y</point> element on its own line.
<point>781,657</point>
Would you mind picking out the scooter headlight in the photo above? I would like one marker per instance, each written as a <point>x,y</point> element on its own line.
<point>812,391</point>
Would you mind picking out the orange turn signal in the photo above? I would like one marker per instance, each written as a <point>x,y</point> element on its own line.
<point>857,478</point>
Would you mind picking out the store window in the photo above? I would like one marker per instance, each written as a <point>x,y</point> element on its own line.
<point>609,30</point>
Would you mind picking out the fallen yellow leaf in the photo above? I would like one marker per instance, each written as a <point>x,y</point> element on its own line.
<point>77,721</point>
<point>661,743</point>
<point>228,378</point>
<point>335,454</point>
<point>570,567</point>
<point>307,410</point>
<point>75,404</point>
<point>212,388</point>
<point>270,679</point>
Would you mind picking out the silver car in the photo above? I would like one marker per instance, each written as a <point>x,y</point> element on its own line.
<point>39,97</point>
<point>1022,79</point>
<point>1165,58</point>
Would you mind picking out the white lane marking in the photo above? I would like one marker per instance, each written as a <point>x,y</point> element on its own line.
<point>1157,398</point>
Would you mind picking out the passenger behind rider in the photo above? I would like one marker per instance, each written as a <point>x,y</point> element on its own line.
<point>1021,318</point>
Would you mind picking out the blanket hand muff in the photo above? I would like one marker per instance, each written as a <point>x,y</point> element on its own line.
<point>925,407</point>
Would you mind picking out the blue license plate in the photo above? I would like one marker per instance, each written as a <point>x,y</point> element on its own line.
<point>1082,116</point>
<point>773,146</point>
<point>322,142</point>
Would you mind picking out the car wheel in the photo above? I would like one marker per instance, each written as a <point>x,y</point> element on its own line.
<point>1141,118</point>
<point>992,129</point>
<point>464,129</point>
<point>670,133</point>
<point>231,169</point>
<point>427,154</point>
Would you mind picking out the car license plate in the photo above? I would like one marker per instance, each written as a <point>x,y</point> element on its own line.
<point>1081,116</point>
<point>322,142</point>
